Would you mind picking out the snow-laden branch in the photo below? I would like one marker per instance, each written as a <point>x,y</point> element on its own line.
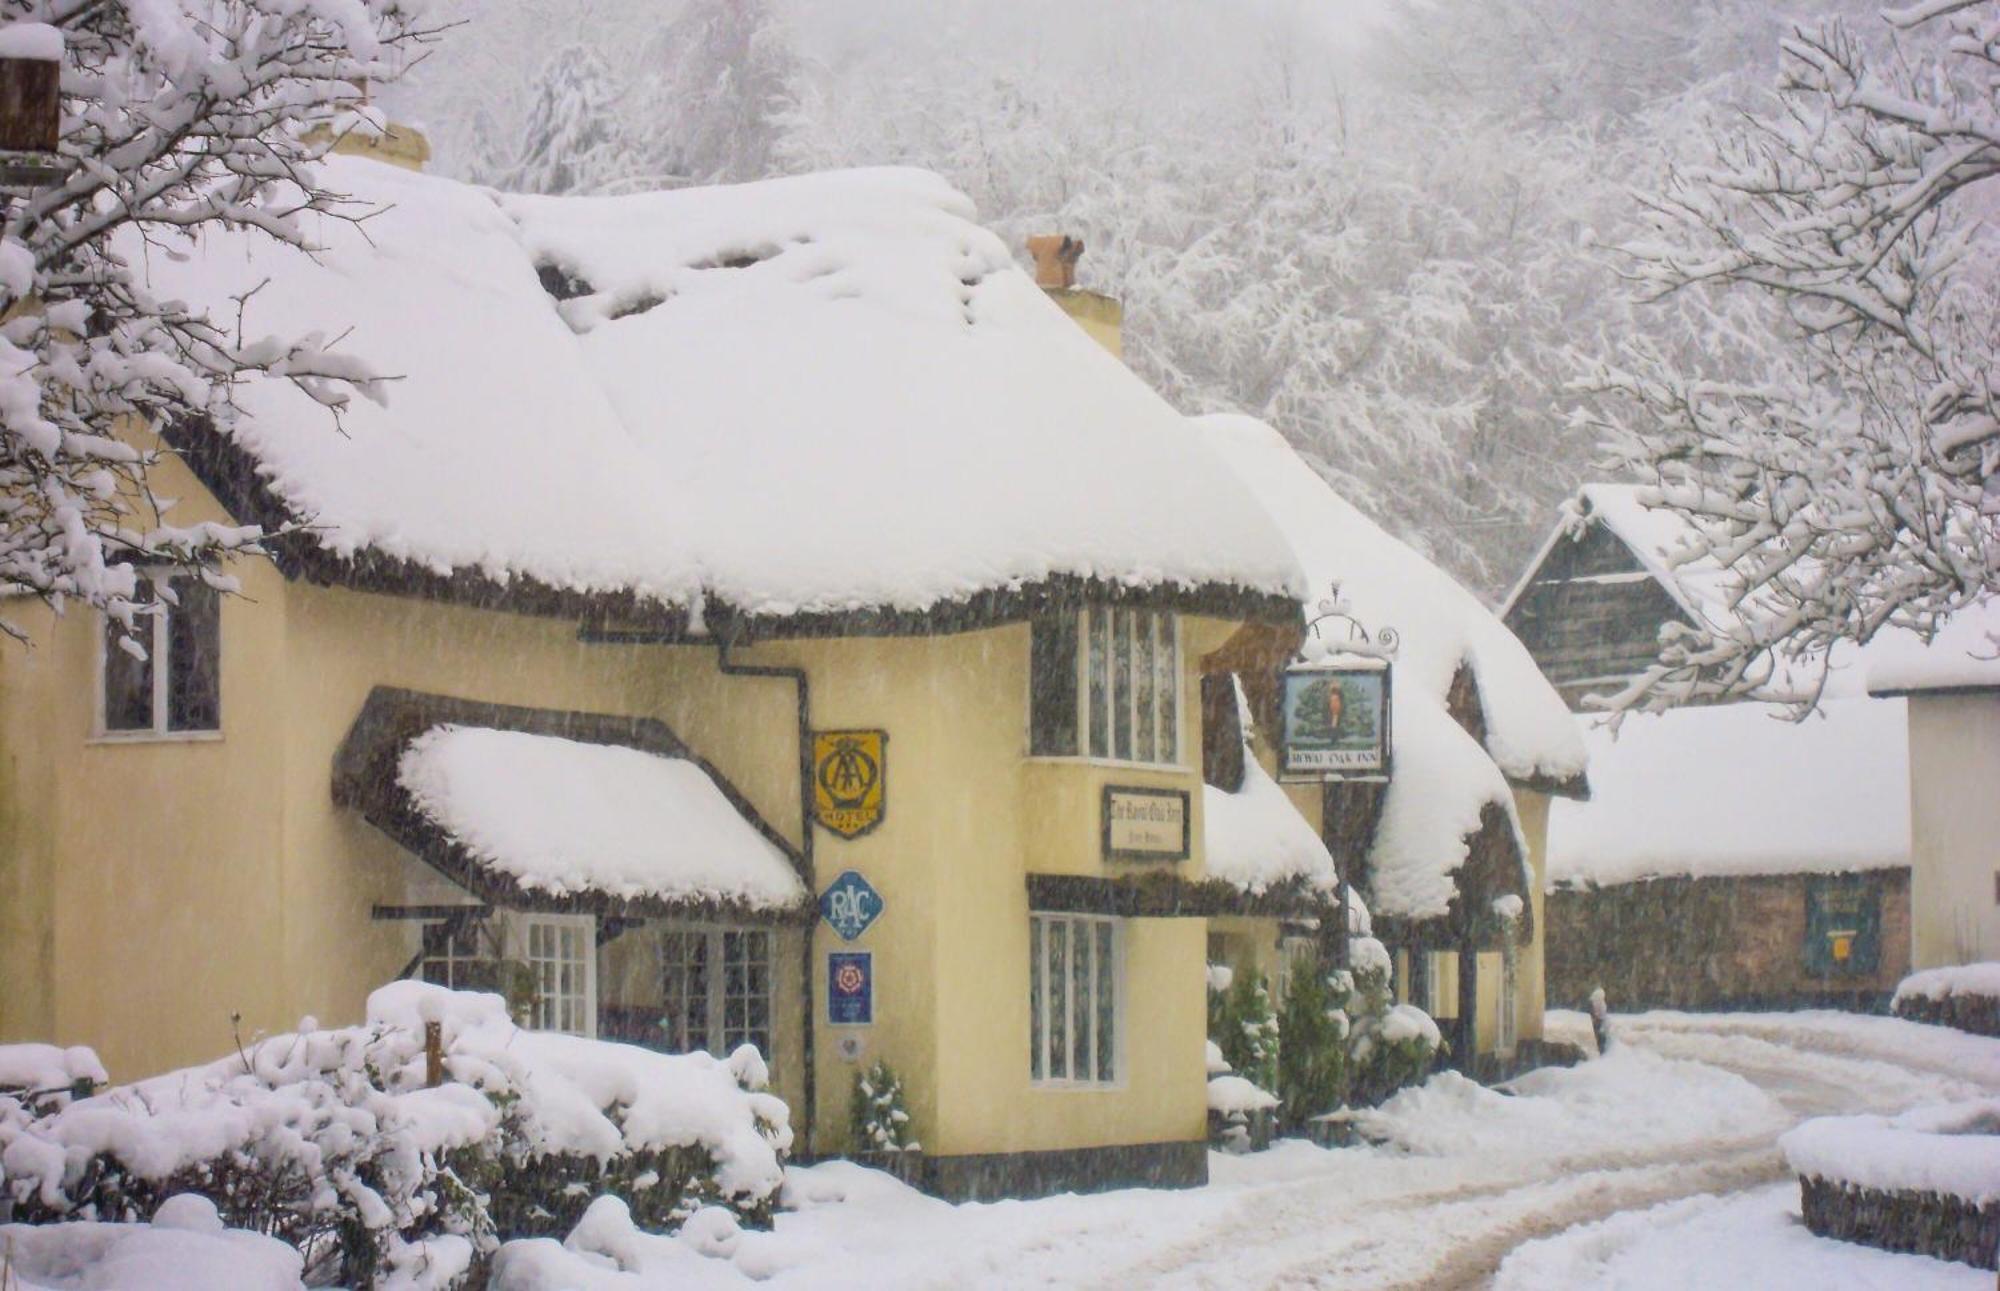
<point>1843,472</point>
<point>176,116</point>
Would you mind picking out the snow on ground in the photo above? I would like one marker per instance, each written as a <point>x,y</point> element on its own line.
<point>1655,1165</point>
<point>1749,1239</point>
<point>185,1248</point>
<point>1465,1177</point>
<point>1632,1098</point>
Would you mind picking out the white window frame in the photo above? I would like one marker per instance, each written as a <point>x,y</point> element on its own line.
<point>716,1001</point>
<point>521,927</point>
<point>1040,980</point>
<point>1167,670</point>
<point>154,626</point>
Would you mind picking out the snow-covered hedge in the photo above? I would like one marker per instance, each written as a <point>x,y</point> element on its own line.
<point>1966,996</point>
<point>1926,1181</point>
<point>330,1140</point>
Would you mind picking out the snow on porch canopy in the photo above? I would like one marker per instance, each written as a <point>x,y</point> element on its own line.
<point>536,809</point>
<point>830,394</point>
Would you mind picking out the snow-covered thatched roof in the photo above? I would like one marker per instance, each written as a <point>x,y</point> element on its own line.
<point>1738,789</point>
<point>1442,626</point>
<point>818,395</point>
<point>1444,780</point>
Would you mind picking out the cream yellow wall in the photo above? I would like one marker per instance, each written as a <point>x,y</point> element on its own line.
<point>1954,828</point>
<point>969,816</point>
<point>30,681</point>
<point>1530,981</point>
<point>222,880</point>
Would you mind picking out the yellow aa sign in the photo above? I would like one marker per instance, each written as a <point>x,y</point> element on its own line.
<point>850,769</point>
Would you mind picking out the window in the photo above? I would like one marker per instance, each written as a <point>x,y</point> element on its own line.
<point>716,984</point>
<point>561,954</point>
<point>461,954</point>
<point>1075,965</point>
<point>177,686</point>
<point>1105,683</point>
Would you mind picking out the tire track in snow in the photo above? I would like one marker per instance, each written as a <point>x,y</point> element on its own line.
<point>1325,1232</point>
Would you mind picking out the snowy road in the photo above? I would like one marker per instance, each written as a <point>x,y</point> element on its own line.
<point>1314,1234</point>
<point>1552,1175</point>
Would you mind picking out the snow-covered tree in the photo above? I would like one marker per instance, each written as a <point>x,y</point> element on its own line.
<point>176,116</point>
<point>1830,421</point>
<point>578,136</point>
<point>714,83</point>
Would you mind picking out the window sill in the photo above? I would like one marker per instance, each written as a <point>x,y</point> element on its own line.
<point>1113,764</point>
<point>1076,1087</point>
<point>155,737</point>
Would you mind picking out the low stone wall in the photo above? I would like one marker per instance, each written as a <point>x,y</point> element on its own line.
<point>1712,943</point>
<point>1918,1223</point>
<point>1979,1014</point>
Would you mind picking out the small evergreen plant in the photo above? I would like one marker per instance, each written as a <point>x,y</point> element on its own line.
<point>1313,1061</point>
<point>1245,1027</point>
<point>880,1122</point>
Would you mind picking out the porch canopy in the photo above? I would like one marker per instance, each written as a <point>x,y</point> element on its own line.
<point>541,810</point>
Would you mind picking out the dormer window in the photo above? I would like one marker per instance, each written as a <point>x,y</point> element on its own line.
<point>176,688</point>
<point>1106,684</point>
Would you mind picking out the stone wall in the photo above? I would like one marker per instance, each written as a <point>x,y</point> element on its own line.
<point>1979,1014</point>
<point>1713,943</point>
<point>1919,1223</point>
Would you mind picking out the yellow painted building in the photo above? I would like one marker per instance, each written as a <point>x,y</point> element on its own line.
<point>688,518</point>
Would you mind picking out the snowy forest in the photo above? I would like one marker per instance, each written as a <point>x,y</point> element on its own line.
<point>1394,232</point>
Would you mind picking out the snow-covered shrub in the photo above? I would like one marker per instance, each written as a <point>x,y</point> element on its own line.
<point>1244,1026</point>
<point>1966,997</point>
<point>1391,1045</point>
<point>878,1120</point>
<point>1239,1114</point>
<point>330,1141</point>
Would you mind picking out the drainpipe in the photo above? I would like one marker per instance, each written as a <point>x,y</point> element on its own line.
<point>797,676</point>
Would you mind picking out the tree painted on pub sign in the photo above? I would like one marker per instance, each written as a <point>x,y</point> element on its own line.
<point>1335,711</point>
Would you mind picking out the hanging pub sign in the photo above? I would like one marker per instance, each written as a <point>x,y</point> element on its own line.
<point>850,778</point>
<point>1335,723</point>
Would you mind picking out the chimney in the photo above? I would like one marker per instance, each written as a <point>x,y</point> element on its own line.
<point>1102,317</point>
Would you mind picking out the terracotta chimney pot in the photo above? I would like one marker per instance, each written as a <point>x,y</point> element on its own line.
<point>1055,257</point>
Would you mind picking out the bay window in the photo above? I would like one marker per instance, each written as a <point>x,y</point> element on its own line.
<point>1105,683</point>
<point>1075,976</point>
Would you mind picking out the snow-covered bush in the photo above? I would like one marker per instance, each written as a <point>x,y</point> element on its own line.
<point>1244,1026</point>
<point>1391,1045</point>
<point>330,1140</point>
<point>878,1120</point>
<point>1966,996</point>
